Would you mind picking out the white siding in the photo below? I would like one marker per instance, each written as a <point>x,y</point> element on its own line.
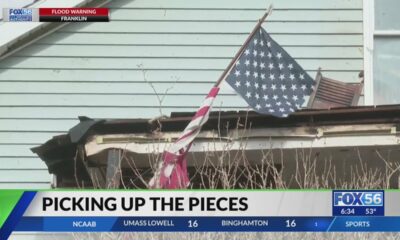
<point>104,70</point>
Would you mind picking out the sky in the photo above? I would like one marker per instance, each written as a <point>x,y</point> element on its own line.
<point>13,4</point>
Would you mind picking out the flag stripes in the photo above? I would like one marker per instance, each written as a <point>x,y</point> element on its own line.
<point>171,173</point>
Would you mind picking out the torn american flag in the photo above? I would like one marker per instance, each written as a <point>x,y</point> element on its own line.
<point>269,79</point>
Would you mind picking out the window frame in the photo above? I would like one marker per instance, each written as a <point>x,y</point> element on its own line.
<point>369,35</point>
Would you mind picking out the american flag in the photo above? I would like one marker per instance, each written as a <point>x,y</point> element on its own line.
<point>269,79</point>
<point>172,171</point>
<point>266,77</point>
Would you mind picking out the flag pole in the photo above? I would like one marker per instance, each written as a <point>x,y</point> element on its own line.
<point>233,61</point>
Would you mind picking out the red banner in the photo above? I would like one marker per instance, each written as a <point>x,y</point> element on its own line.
<point>73,12</point>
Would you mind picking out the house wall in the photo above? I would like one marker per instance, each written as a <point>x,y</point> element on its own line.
<point>153,58</point>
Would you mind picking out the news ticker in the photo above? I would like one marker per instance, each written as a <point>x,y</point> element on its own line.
<point>56,15</point>
<point>194,210</point>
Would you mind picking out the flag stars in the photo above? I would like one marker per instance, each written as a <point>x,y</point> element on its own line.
<point>255,74</point>
<point>271,66</point>
<point>272,76</point>
<point>268,78</point>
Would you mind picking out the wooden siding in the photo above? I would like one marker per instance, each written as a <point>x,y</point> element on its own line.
<point>175,49</point>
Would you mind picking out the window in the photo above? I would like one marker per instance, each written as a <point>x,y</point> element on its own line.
<point>382,51</point>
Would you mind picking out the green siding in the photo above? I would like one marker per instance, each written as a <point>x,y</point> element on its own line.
<point>225,52</point>
<point>217,27</point>
<point>200,39</point>
<point>239,15</point>
<point>36,125</point>
<point>22,163</point>
<point>62,63</point>
<point>170,76</point>
<point>97,69</point>
<point>28,137</point>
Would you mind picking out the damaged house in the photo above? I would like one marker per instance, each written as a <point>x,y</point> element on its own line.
<point>137,81</point>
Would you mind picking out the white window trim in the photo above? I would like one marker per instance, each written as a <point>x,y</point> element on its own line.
<point>387,33</point>
<point>369,29</point>
<point>369,34</point>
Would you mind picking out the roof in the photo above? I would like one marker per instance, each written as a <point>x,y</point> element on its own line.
<point>61,149</point>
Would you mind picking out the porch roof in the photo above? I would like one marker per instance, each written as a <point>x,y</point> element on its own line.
<point>358,121</point>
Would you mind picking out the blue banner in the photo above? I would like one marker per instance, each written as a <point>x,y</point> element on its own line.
<point>209,224</point>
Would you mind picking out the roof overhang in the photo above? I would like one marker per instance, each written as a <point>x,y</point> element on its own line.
<point>316,137</point>
<point>340,130</point>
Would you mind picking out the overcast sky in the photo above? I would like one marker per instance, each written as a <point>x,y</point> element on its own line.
<point>12,4</point>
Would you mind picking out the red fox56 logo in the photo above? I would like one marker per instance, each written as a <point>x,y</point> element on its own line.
<point>357,198</point>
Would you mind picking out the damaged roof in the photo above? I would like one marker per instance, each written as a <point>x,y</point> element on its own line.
<point>60,151</point>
